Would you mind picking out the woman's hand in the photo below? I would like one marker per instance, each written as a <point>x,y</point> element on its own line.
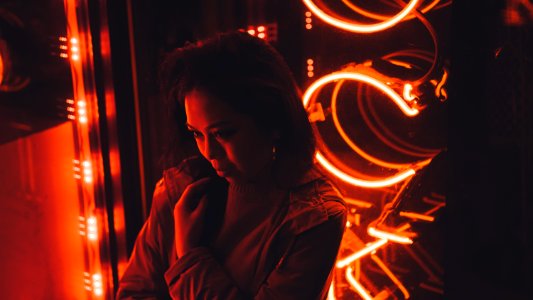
<point>189,214</point>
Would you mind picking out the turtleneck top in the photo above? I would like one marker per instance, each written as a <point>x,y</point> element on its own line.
<point>248,219</point>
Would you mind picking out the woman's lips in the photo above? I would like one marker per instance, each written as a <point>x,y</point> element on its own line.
<point>220,169</point>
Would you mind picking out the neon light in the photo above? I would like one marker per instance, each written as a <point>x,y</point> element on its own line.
<point>1,69</point>
<point>413,215</point>
<point>360,182</point>
<point>387,90</point>
<point>87,171</point>
<point>92,229</point>
<point>74,41</point>
<point>97,284</point>
<point>381,17</point>
<point>399,101</point>
<point>352,144</point>
<point>403,227</point>
<point>261,35</point>
<point>251,31</point>
<point>356,202</point>
<point>391,275</point>
<point>331,291</point>
<point>389,236</point>
<point>357,255</point>
<point>407,92</point>
<point>366,28</point>
<point>357,286</point>
<point>310,61</point>
<point>438,89</point>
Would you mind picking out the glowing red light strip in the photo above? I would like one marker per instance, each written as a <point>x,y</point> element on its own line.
<point>353,27</point>
<point>397,99</point>
<point>357,255</point>
<point>352,144</point>
<point>356,285</point>
<point>389,236</point>
<point>381,17</point>
<point>1,69</point>
<point>418,216</point>
<point>360,182</point>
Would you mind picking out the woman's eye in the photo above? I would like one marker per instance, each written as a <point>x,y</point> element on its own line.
<point>223,134</point>
<point>196,134</point>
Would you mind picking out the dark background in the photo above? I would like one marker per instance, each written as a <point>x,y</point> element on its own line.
<point>488,252</point>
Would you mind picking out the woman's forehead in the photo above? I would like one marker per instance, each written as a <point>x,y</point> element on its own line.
<point>203,110</point>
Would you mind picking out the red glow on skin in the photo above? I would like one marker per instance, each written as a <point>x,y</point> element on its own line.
<point>230,141</point>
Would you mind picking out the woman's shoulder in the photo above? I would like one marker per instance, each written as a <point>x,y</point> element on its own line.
<point>315,186</point>
<point>314,201</point>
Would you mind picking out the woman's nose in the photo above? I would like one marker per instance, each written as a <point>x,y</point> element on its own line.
<point>212,148</point>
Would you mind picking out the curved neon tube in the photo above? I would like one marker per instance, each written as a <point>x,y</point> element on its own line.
<point>407,92</point>
<point>398,100</point>
<point>360,27</point>
<point>352,144</point>
<point>357,286</point>
<point>382,17</point>
<point>360,182</point>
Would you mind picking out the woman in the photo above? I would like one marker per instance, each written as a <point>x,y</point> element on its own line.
<point>248,216</point>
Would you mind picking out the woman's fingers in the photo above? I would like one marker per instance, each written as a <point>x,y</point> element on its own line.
<point>193,193</point>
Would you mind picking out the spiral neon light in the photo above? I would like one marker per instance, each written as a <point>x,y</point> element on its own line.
<point>383,17</point>
<point>352,144</point>
<point>362,28</point>
<point>397,99</point>
<point>360,182</point>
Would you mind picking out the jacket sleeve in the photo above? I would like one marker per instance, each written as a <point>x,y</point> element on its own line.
<point>304,271</point>
<point>143,277</point>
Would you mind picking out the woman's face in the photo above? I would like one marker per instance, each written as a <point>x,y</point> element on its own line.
<point>231,141</point>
